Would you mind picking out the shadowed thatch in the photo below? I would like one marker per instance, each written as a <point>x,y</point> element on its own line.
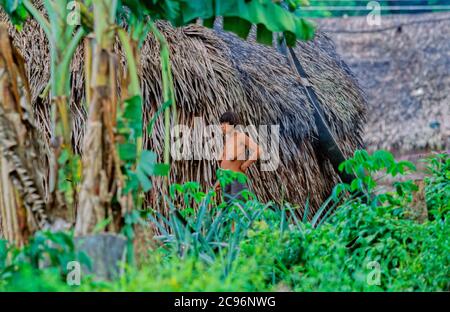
<point>404,67</point>
<point>216,71</point>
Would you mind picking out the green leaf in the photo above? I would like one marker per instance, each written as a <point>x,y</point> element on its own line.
<point>132,183</point>
<point>144,181</point>
<point>16,11</point>
<point>237,25</point>
<point>160,110</point>
<point>263,35</point>
<point>161,169</point>
<point>407,164</point>
<point>209,22</point>
<point>148,167</point>
<point>337,190</point>
<point>127,151</point>
<point>101,225</point>
<point>147,161</point>
<point>240,14</point>
<point>290,38</point>
<point>133,114</point>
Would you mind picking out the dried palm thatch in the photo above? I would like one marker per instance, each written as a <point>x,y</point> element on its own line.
<point>404,66</point>
<point>214,72</point>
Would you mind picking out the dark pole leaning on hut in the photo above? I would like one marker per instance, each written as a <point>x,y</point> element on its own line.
<point>325,142</point>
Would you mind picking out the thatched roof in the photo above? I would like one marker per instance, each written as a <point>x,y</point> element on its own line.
<point>405,72</point>
<point>216,71</point>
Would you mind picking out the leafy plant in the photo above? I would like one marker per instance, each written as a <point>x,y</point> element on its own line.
<point>198,227</point>
<point>45,252</point>
<point>250,246</point>
<point>365,166</point>
<point>437,190</point>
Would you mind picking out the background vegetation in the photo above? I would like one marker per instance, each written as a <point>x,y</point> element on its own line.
<point>370,242</point>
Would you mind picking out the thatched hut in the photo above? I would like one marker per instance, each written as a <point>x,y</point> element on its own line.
<point>216,71</point>
<point>404,67</point>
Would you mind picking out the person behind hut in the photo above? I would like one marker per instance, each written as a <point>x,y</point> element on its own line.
<point>237,145</point>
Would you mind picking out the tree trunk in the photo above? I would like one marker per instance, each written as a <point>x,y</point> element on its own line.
<point>99,161</point>
<point>22,200</point>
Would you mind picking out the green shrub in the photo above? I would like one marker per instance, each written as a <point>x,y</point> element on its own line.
<point>41,265</point>
<point>359,240</point>
<point>371,229</point>
<point>437,185</point>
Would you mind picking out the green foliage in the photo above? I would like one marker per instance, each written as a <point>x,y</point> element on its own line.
<point>69,174</point>
<point>366,244</point>
<point>238,15</point>
<point>409,254</point>
<point>364,167</point>
<point>131,118</point>
<point>372,228</point>
<point>40,265</point>
<point>139,166</point>
<point>340,253</point>
<point>146,168</point>
<point>16,10</point>
<point>158,273</point>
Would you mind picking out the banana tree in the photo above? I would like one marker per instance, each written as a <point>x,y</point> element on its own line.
<point>22,201</point>
<point>113,162</point>
<point>64,37</point>
<point>115,169</point>
<point>138,165</point>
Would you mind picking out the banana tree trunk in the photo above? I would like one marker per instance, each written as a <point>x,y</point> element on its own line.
<point>22,201</point>
<point>98,169</point>
<point>99,161</point>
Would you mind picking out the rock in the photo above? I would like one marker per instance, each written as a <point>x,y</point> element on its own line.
<point>106,252</point>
